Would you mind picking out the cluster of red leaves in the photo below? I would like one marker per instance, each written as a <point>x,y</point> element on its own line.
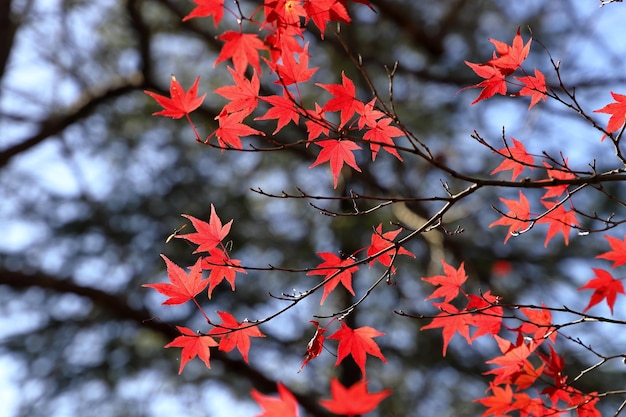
<point>522,368</point>
<point>527,359</point>
<point>506,60</point>
<point>278,42</point>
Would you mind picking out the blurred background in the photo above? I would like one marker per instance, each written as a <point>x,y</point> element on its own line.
<point>91,185</point>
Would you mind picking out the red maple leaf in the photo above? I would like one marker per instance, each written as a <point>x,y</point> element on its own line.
<point>337,152</point>
<point>358,343</point>
<point>450,283</point>
<point>324,11</point>
<point>315,345</point>
<point>207,235</point>
<point>451,322</point>
<point>183,287</point>
<point>243,48</point>
<point>385,242</point>
<point>284,406</point>
<point>181,102</point>
<point>517,218</point>
<point>513,360</point>
<point>369,115</point>
<point>233,334</point>
<point>489,322</point>
<point>344,99</point>
<point>617,254</point>
<point>617,110</point>
<point>284,12</point>
<point>493,84</point>
<point>193,345</point>
<point>511,57</point>
<point>499,402</point>
<point>515,158</point>
<point>585,404</point>
<point>352,401</point>
<point>336,267</point>
<point>604,286</point>
<point>381,134</point>
<point>231,130</point>
<point>560,220</point>
<point>557,174</point>
<point>534,87</point>
<point>283,108</point>
<point>221,267</point>
<point>243,95</point>
<point>316,125</point>
<point>205,8</point>
<point>538,325</point>
<point>292,72</point>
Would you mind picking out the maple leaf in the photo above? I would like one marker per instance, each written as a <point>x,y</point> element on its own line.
<point>511,57</point>
<point>493,84</point>
<point>243,95</point>
<point>344,99</point>
<point>385,241</point>
<point>499,402</point>
<point>181,102</point>
<point>207,235</point>
<point>487,323</point>
<point>354,400</point>
<point>205,8</point>
<point>450,283</point>
<point>231,129</point>
<point>336,267</point>
<point>193,345</point>
<point>451,322</point>
<point>558,174</point>
<point>358,343</point>
<point>221,267</point>
<point>604,286</point>
<point>560,220</point>
<point>316,125</point>
<point>535,87</point>
<point>516,158</point>
<point>517,218</point>
<point>617,254</point>
<point>233,334</point>
<point>617,110</point>
<point>323,11</point>
<point>381,133</point>
<point>284,12</point>
<point>585,404</point>
<point>512,361</point>
<point>284,406</point>
<point>315,345</point>
<point>183,287</point>
<point>283,108</point>
<point>292,72</point>
<point>539,324</point>
<point>242,48</point>
<point>284,41</point>
<point>337,152</point>
<point>369,115</point>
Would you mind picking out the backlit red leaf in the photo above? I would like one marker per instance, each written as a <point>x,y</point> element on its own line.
<point>183,287</point>
<point>205,8</point>
<point>617,110</point>
<point>449,284</point>
<point>358,343</point>
<point>517,218</point>
<point>604,286</point>
<point>242,48</point>
<point>352,401</point>
<point>233,334</point>
<point>337,152</point>
<point>338,268</point>
<point>617,254</point>
<point>207,235</point>
<point>516,158</point>
<point>193,345</point>
<point>284,406</point>
<point>222,267</point>
<point>180,102</point>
